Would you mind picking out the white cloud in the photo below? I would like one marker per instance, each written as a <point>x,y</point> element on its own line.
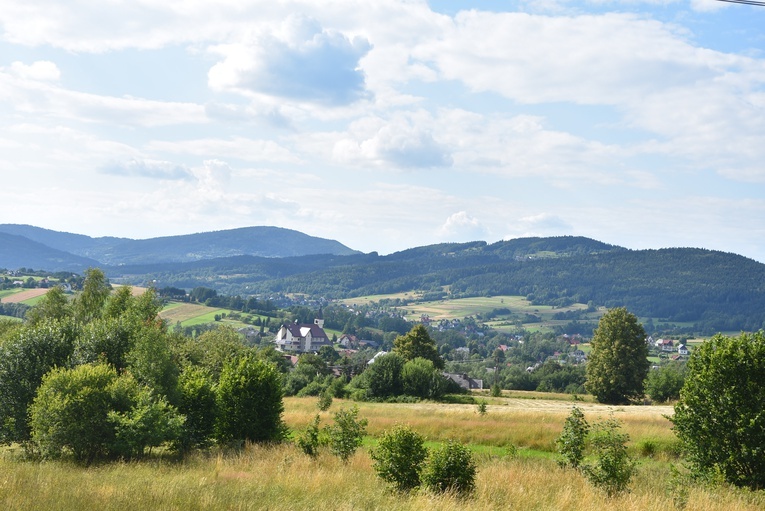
<point>41,70</point>
<point>236,147</point>
<point>541,224</point>
<point>154,169</point>
<point>299,61</point>
<point>461,226</point>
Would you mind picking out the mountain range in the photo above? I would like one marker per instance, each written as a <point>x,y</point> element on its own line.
<point>705,290</point>
<point>34,247</point>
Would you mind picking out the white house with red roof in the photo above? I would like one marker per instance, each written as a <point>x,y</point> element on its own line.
<point>302,338</point>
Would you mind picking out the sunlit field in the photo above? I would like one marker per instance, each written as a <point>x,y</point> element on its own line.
<point>283,478</point>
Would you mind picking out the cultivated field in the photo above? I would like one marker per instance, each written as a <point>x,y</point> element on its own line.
<point>24,296</point>
<point>282,478</point>
<point>189,314</point>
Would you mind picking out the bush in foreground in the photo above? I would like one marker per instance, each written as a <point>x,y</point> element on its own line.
<point>451,469</point>
<point>399,458</point>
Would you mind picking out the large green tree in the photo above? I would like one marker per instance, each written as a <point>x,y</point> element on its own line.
<point>720,418</point>
<point>618,361</point>
<point>418,343</point>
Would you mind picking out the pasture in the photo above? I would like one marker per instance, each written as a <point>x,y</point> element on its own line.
<point>26,296</point>
<point>283,478</point>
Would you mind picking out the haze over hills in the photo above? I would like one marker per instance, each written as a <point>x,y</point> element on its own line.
<point>75,252</point>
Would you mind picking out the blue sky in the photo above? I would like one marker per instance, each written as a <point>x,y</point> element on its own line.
<point>390,124</point>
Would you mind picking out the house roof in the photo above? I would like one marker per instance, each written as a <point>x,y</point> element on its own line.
<point>302,330</point>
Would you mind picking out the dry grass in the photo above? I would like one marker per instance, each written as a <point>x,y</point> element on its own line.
<point>281,478</point>
<point>22,296</point>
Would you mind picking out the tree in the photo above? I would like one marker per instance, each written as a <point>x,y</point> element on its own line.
<point>26,355</point>
<point>719,418</point>
<point>346,434</point>
<point>665,382</point>
<point>573,438</point>
<point>95,292</point>
<point>421,379</point>
<point>197,402</point>
<point>53,305</point>
<point>399,458</point>
<point>418,343</point>
<point>383,377</point>
<point>451,469</point>
<point>249,398</point>
<point>618,361</point>
<point>612,469</point>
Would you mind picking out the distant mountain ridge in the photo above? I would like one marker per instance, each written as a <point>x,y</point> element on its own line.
<point>35,247</point>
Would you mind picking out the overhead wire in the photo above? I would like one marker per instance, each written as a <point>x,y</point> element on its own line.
<point>746,2</point>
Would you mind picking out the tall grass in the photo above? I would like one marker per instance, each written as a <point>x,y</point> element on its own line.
<point>283,478</point>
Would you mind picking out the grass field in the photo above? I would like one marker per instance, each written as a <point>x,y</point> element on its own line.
<point>282,478</point>
<point>23,296</point>
<point>189,314</point>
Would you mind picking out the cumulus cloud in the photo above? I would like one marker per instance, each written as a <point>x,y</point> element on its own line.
<point>461,226</point>
<point>406,141</point>
<point>542,224</point>
<point>301,61</point>
<point>154,169</point>
<point>42,70</point>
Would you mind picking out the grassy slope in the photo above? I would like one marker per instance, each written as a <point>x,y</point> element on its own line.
<point>282,478</point>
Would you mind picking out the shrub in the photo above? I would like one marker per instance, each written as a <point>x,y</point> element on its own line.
<point>613,469</point>
<point>346,434</point>
<point>719,418</point>
<point>325,400</point>
<point>249,399</point>
<point>572,440</point>
<point>399,457</point>
<point>450,469</point>
<point>197,402</point>
<point>308,441</point>
<point>496,390</point>
<point>482,408</point>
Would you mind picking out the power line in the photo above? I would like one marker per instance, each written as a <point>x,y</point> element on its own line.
<point>747,2</point>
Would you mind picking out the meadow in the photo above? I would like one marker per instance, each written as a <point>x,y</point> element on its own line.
<point>283,478</point>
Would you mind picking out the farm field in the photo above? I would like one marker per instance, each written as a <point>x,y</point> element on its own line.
<point>189,314</point>
<point>464,307</point>
<point>23,296</point>
<point>283,478</point>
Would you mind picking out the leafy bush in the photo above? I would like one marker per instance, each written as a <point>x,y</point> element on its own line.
<point>572,440</point>
<point>399,457</point>
<point>308,441</point>
<point>325,400</point>
<point>197,402</point>
<point>719,418</point>
<point>451,469</point>
<point>249,399</point>
<point>665,382</point>
<point>613,469</point>
<point>346,434</point>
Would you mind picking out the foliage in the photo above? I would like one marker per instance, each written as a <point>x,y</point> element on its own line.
<point>613,468</point>
<point>26,354</point>
<point>420,378</point>
<point>382,378</point>
<point>451,469</point>
<point>482,408</point>
<point>399,458</point>
<point>213,348</point>
<point>90,303</point>
<point>418,344</point>
<point>572,441</point>
<point>249,399</point>
<point>151,361</point>
<point>496,390</point>
<point>308,441</point>
<point>150,422</point>
<point>347,432</point>
<point>618,361</point>
<point>196,401</point>
<point>720,418</point>
<point>325,400</point>
<point>664,384</point>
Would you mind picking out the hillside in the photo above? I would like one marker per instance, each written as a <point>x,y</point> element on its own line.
<point>713,290</point>
<point>25,245</point>
<point>21,252</point>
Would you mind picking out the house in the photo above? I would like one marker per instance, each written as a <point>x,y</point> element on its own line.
<point>302,338</point>
<point>682,349</point>
<point>378,354</point>
<point>347,341</point>
<point>464,381</point>
<point>667,345</point>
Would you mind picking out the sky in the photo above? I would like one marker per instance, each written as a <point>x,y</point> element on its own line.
<point>388,124</point>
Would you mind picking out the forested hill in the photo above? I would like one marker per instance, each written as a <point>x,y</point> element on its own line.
<point>716,290</point>
<point>75,252</point>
